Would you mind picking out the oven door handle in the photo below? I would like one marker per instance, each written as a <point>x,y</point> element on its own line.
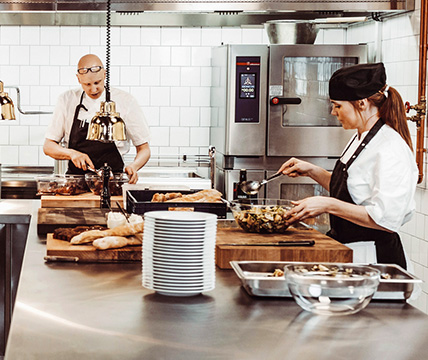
<point>284,100</point>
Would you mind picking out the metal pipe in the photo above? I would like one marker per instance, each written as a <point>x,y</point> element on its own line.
<point>420,137</point>
<point>18,103</point>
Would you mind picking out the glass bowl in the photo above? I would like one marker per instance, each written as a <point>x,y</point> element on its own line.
<point>261,215</point>
<point>95,183</point>
<point>61,185</point>
<point>331,289</point>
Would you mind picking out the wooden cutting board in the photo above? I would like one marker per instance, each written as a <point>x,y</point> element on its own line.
<point>61,250</point>
<point>85,200</point>
<point>49,219</point>
<point>325,249</point>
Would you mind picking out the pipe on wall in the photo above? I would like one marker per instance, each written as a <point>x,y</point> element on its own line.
<point>421,107</point>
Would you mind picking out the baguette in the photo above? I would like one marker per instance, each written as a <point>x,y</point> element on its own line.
<point>122,230</point>
<point>115,242</point>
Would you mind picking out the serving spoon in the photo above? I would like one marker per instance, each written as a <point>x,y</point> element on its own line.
<point>253,187</point>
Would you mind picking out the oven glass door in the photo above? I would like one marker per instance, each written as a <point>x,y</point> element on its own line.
<point>299,119</point>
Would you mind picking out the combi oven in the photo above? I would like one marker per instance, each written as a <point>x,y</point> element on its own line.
<point>269,103</point>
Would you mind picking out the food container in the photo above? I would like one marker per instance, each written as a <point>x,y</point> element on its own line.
<point>261,215</point>
<point>332,289</point>
<point>139,202</point>
<point>257,278</point>
<point>95,183</point>
<point>61,185</point>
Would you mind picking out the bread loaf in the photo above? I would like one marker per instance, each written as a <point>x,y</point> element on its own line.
<point>115,242</point>
<point>123,230</point>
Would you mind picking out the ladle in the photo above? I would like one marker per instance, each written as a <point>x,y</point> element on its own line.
<point>253,187</point>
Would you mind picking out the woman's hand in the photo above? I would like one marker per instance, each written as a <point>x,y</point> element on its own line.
<point>308,208</point>
<point>295,168</point>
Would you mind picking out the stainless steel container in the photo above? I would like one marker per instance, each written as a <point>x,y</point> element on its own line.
<point>291,31</point>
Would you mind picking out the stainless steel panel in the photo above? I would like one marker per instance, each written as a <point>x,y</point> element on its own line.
<point>201,5</point>
<point>229,137</point>
<point>307,141</point>
<point>299,135</point>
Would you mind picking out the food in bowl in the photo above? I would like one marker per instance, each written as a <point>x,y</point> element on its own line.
<point>95,183</point>
<point>331,289</point>
<point>61,185</point>
<point>261,215</point>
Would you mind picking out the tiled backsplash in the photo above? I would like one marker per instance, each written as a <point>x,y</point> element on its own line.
<point>168,70</point>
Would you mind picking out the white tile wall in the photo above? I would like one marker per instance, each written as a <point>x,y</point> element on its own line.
<point>168,70</point>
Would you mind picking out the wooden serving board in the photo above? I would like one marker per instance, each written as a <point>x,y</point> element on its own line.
<point>61,250</point>
<point>325,249</point>
<point>50,219</point>
<point>85,200</point>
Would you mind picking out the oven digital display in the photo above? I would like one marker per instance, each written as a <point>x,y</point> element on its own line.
<point>247,88</point>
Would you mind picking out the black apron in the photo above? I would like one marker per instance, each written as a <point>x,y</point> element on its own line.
<point>389,249</point>
<point>99,152</point>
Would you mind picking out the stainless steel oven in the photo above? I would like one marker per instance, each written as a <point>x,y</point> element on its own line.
<point>270,102</point>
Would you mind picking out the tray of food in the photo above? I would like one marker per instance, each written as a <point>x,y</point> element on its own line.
<point>61,185</point>
<point>266,278</point>
<point>141,201</point>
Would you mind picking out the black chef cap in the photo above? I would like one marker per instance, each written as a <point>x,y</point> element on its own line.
<point>357,82</point>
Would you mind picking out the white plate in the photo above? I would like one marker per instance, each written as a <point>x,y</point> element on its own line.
<point>185,248</point>
<point>179,227</point>
<point>176,270</point>
<point>180,216</point>
<point>179,266</point>
<point>178,288</point>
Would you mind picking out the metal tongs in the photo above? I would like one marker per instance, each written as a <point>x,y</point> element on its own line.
<point>123,212</point>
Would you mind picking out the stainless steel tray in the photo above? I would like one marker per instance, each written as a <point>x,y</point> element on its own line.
<point>257,279</point>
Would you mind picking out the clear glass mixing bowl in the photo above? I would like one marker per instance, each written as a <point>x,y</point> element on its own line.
<point>331,289</point>
<point>261,215</point>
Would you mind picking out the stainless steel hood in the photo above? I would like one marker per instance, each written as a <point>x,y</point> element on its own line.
<point>189,12</point>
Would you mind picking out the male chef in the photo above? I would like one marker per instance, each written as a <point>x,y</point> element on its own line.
<point>71,118</point>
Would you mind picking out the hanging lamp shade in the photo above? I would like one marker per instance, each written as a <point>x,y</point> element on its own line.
<point>7,107</point>
<point>107,125</point>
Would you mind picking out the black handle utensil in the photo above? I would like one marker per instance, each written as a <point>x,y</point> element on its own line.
<point>279,243</point>
<point>123,211</point>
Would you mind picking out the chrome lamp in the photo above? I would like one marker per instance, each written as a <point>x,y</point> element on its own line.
<point>107,125</point>
<point>7,107</point>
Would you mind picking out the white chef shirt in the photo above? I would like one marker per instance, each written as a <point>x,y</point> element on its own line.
<point>383,178</point>
<point>127,106</point>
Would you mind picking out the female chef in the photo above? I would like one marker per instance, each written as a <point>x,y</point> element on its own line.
<point>373,183</point>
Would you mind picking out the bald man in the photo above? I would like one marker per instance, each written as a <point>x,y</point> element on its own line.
<point>71,118</point>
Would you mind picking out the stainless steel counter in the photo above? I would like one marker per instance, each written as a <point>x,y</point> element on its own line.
<point>101,311</point>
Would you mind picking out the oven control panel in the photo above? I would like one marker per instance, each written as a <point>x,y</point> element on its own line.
<point>247,97</point>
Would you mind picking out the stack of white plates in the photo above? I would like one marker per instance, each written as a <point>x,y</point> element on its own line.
<point>179,252</point>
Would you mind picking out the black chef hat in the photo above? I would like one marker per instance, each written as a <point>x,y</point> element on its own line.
<point>357,82</point>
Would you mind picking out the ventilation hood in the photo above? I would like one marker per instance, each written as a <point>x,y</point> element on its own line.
<point>190,12</point>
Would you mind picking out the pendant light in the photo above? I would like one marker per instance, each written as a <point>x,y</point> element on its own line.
<point>7,107</point>
<point>107,125</point>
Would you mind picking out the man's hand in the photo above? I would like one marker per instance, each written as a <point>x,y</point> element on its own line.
<point>132,174</point>
<point>81,160</point>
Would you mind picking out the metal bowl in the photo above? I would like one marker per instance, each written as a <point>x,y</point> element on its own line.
<point>332,289</point>
<point>291,31</point>
<point>61,185</point>
<point>261,215</point>
<point>95,183</point>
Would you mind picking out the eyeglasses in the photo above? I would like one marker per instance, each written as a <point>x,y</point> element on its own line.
<point>93,69</point>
